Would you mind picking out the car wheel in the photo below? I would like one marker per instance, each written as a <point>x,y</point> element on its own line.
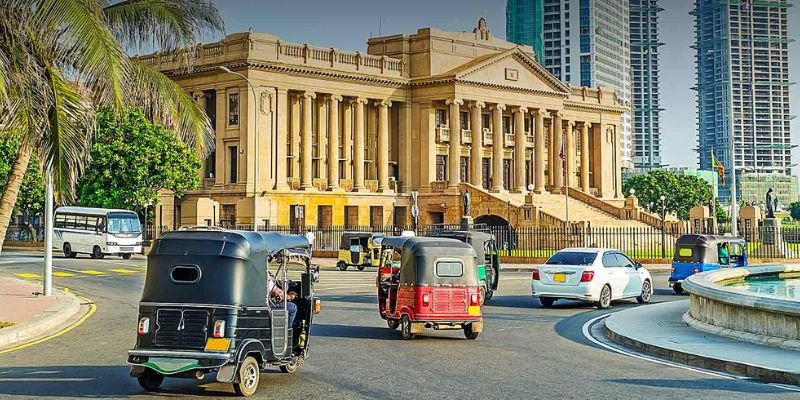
<point>547,302</point>
<point>97,253</point>
<point>341,266</point>
<point>291,367</point>
<point>150,380</point>
<point>677,288</point>
<point>126,256</point>
<point>68,251</point>
<point>392,323</point>
<point>469,333</point>
<point>249,375</point>
<point>483,295</point>
<point>647,293</point>
<point>405,328</point>
<point>605,297</point>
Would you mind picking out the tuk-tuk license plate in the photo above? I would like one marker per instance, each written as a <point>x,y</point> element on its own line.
<point>217,344</point>
<point>561,278</point>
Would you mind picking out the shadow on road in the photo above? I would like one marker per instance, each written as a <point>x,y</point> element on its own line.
<point>703,385</point>
<point>354,332</point>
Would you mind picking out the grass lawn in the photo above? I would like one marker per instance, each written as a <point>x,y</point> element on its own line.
<point>4,324</point>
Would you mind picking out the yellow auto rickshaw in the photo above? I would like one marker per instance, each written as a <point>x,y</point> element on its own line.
<point>355,250</point>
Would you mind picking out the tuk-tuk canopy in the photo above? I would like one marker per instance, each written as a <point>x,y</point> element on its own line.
<point>703,248</point>
<point>229,266</point>
<point>435,261</point>
<point>363,238</point>
<point>476,239</point>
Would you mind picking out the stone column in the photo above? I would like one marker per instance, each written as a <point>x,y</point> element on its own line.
<point>333,142</point>
<point>383,146</point>
<point>558,162</point>
<point>569,150</point>
<point>617,162</point>
<point>551,175</point>
<point>498,145</point>
<point>306,182</point>
<point>347,139</point>
<point>406,143</point>
<point>322,138</point>
<point>200,100</point>
<point>282,120</point>
<point>296,119</point>
<point>455,142</point>
<point>519,150</point>
<point>539,150</point>
<point>476,153</point>
<point>585,156</point>
<point>221,125</point>
<point>358,147</point>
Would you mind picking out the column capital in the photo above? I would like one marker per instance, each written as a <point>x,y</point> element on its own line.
<point>385,103</point>
<point>501,107</point>
<point>587,125</point>
<point>336,97</point>
<point>539,112</point>
<point>307,95</point>
<point>521,109</point>
<point>557,113</point>
<point>457,102</point>
<point>477,104</point>
<point>361,100</point>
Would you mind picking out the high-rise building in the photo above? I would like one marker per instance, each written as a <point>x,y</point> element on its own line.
<point>743,86</point>
<point>586,43</point>
<point>644,69</point>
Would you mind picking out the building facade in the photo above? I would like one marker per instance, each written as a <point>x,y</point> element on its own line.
<point>586,43</point>
<point>743,86</point>
<point>644,74</point>
<point>753,188</point>
<point>345,138</point>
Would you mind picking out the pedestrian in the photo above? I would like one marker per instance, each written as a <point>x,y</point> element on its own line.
<point>310,237</point>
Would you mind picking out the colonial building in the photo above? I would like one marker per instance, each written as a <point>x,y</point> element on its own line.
<point>331,137</point>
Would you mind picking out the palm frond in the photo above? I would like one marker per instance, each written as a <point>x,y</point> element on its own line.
<point>165,102</point>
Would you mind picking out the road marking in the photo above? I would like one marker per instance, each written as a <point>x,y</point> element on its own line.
<point>28,275</point>
<point>586,329</point>
<point>123,271</point>
<point>62,274</point>
<point>92,309</point>
<point>91,272</point>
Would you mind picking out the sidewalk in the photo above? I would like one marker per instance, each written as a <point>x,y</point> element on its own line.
<point>32,316</point>
<point>659,330</point>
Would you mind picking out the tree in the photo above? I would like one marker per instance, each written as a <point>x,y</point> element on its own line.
<point>60,60</point>
<point>30,202</point>
<point>681,192</point>
<point>794,210</point>
<point>132,159</point>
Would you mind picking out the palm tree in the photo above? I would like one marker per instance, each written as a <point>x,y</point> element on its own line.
<point>60,60</point>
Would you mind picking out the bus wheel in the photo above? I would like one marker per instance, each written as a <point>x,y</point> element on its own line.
<point>341,266</point>
<point>249,375</point>
<point>68,251</point>
<point>97,253</point>
<point>126,256</point>
<point>150,380</point>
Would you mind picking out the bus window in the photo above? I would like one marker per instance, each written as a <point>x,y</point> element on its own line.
<point>120,223</point>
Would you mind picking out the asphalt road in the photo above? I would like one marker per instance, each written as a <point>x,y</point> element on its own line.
<point>526,352</point>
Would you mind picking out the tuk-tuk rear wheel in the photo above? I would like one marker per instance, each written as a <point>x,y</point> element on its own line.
<point>360,267</point>
<point>150,380</point>
<point>393,323</point>
<point>291,367</point>
<point>405,328</point>
<point>677,288</point>
<point>341,266</point>
<point>249,374</point>
<point>469,334</point>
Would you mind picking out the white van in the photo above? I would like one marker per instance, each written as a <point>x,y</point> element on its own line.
<point>97,232</point>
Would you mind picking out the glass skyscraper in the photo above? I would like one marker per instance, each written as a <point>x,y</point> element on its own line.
<point>524,24</point>
<point>644,69</point>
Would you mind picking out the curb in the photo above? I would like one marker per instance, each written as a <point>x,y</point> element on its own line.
<point>763,340</point>
<point>57,317</point>
<point>714,364</point>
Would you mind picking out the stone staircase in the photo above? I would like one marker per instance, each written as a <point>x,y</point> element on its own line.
<point>579,211</point>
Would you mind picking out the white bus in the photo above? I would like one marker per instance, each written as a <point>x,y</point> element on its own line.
<point>97,232</point>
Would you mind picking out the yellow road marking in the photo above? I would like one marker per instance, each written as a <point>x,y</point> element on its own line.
<point>62,274</point>
<point>28,275</point>
<point>123,271</point>
<point>92,309</point>
<point>91,272</point>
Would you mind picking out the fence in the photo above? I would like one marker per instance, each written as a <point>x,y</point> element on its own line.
<point>24,233</point>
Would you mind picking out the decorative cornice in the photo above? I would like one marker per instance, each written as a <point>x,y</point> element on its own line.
<point>594,107</point>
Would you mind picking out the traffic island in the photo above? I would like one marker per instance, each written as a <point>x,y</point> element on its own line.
<point>29,316</point>
<point>659,330</point>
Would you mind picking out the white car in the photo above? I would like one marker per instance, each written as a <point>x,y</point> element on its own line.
<point>592,275</point>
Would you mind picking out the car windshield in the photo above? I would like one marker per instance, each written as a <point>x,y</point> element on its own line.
<point>572,258</point>
<point>123,223</point>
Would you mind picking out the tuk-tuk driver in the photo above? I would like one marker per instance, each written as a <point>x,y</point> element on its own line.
<point>724,255</point>
<point>273,290</point>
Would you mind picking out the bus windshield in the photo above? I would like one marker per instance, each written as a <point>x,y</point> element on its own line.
<point>123,223</point>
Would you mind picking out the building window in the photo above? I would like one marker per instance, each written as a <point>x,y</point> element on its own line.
<point>297,222</point>
<point>485,121</point>
<point>463,116</point>
<point>350,217</point>
<point>376,216</point>
<point>506,124</point>
<point>507,174</point>
<point>441,168</point>
<point>233,164</point>
<point>324,216</point>
<point>227,215</point>
<point>464,169</point>
<point>441,117</point>
<point>211,165</point>
<point>233,109</point>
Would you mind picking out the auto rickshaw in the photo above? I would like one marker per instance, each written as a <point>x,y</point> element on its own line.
<point>700,253</point>
<point>426,282</point>
<point>485,247</point>
<point>204,307</point>
<point>356,249</point>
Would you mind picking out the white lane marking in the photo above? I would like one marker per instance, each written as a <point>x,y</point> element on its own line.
<point>586,333</point>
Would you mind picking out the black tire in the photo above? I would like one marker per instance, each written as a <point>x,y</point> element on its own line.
<point>150,380</point>
<point>341,266</point>
<point>126,256</point>
<point>605,298</point>
<point>547,302</point>
<point>97,253</point>
<point>469,334</point>
<point>291,367</point>
<point>392,323</point>
<point>483,295</point>
<point>647,293</point>
<point>361,267</point>
<point>248,376</point>
<point>405,328</point>
<point>489,295</point>
<point>68,253</point>
<point>677,288</point>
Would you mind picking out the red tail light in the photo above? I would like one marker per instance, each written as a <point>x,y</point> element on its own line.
<point>219,329</point>
<point>473,299</point>
<point>536,275</point>
<point>144,326</point>
<point>426,300</point>
<point>587,276</point>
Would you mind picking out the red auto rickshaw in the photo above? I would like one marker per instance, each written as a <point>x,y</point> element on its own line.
<point>426,282</point>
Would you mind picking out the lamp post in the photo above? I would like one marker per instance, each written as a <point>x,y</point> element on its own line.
<point>255,142</point>
<point>663,213</point>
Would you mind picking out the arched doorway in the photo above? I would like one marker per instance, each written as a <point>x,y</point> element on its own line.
<point>500,228</point>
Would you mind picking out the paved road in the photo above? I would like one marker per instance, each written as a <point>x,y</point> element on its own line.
<point>526,352</point>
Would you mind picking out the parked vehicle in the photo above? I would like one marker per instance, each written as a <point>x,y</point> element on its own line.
<point>426,282</point>
<point>485,247</point>
<point>359,249</point>
<point>700,253</point>
<point>592,275</point>
<point>205,307</point>
<point>97,232</point>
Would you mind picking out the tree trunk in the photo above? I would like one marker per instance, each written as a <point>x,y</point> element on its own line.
<point>11,189</point>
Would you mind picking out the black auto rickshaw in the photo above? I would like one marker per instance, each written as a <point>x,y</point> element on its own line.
<point>485,246</point>
<point>204,307</point>
<point>355,250</point>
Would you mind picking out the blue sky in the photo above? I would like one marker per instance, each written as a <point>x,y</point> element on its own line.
<point>346,24</point>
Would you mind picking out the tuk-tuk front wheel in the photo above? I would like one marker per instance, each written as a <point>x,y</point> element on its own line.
<point>677,288</point>
<point>393,323</point>
<point>469,333</point>
<point>489,294</point>
<point>150,380</point>
<point>249,374</point>
<point>341,266</point>
<point>483,295</point>
<point>405,328</point>
<point>291,367</point>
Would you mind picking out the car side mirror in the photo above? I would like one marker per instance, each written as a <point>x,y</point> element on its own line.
<point>638,265</point>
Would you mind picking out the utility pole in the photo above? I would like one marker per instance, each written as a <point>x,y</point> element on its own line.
<point>47,282</point>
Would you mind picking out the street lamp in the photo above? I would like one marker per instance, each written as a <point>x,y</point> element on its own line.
<point>663,214</point>
<point>255,142</point>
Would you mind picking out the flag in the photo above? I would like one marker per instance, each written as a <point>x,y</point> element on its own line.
<point>716,164</point>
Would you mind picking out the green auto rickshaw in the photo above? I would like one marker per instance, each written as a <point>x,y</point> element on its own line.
<point>485,247</point>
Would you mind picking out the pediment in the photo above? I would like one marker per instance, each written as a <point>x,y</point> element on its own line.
<point>511,68</point>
